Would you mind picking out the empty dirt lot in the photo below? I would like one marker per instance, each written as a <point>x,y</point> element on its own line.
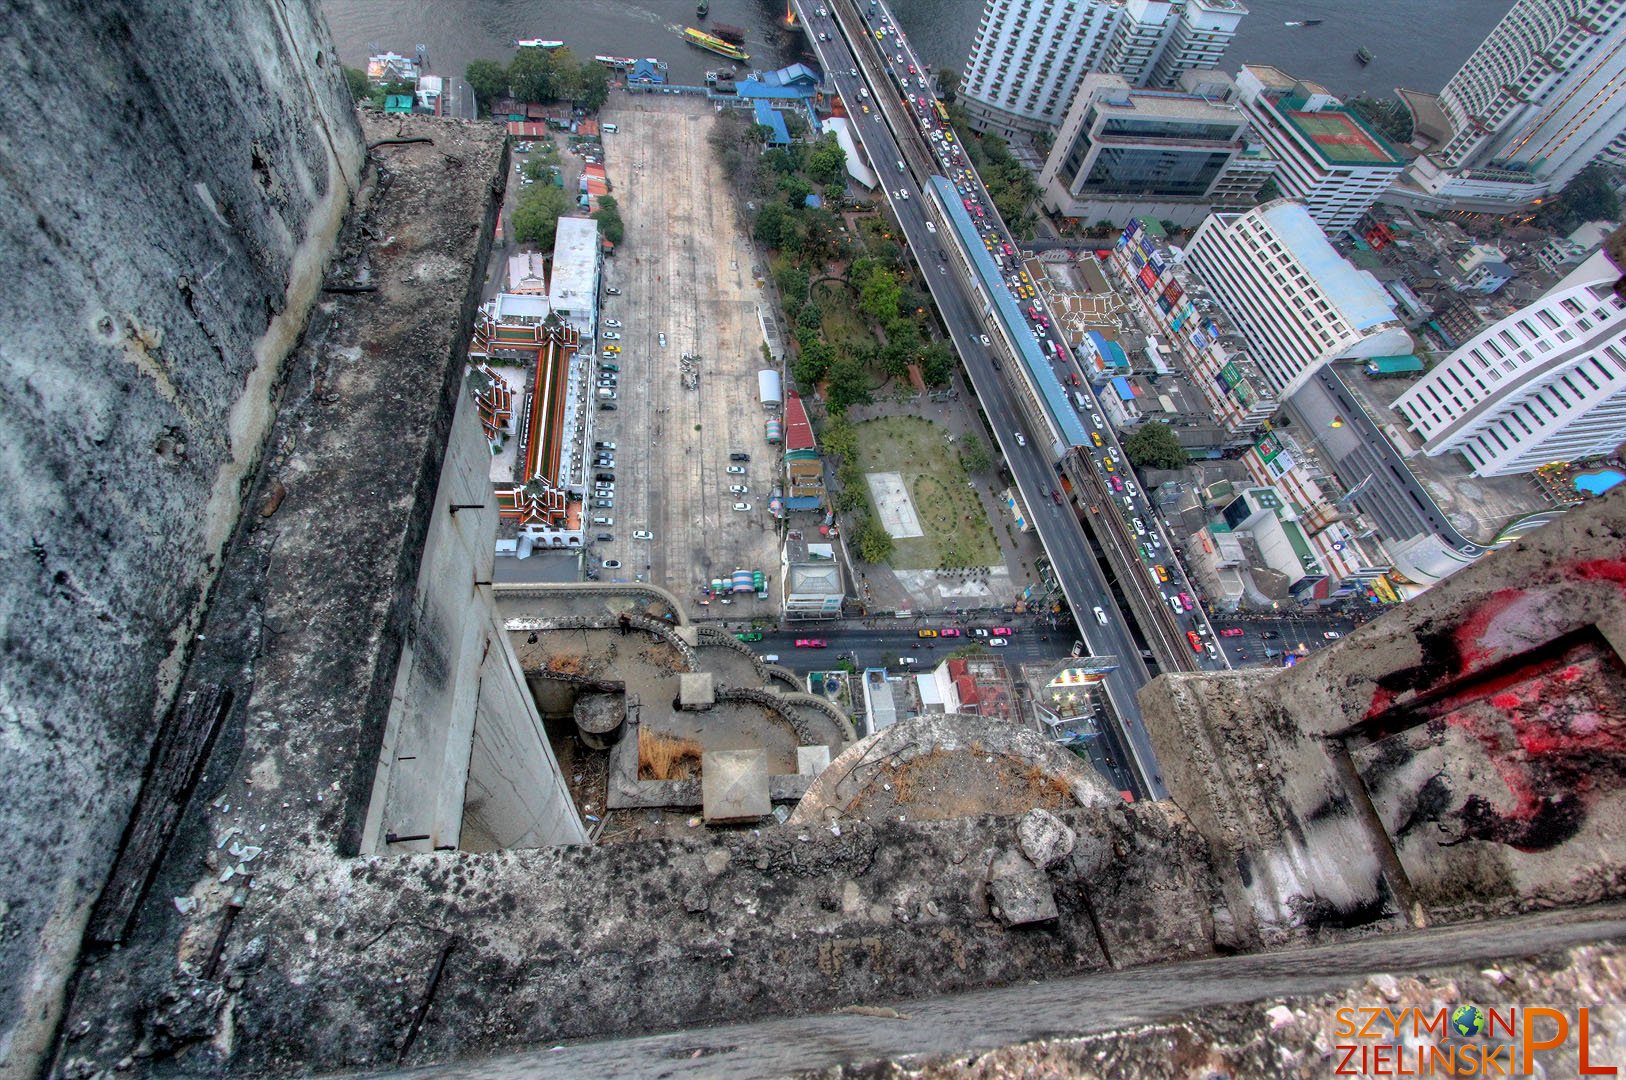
<point>684,270</point>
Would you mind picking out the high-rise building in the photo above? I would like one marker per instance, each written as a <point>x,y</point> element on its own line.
<point>1166,154</point>
<point>1298,302</point>
<point>1030,55</point>
<point>1538,101</point>
<point>1329,157</point>
<point>1547,383</point>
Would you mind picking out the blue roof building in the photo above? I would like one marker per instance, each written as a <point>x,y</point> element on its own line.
<point>767,116</point>
<point>645,71</point>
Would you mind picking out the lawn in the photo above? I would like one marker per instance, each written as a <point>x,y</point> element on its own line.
<point>957,531</point>
<point>844,324</point>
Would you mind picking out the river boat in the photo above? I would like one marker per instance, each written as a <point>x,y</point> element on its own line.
<point>701,8</point>
<point>714,44</point>
<point>537,43</point>
<point>619,63</point>
<point>1363,55</point>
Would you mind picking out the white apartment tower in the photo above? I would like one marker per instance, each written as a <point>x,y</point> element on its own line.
<point>1543,93</point>
<point>1030,54</point>
<point>1545,384</point>
<point>1298,302</point>
<point>1327,155</point>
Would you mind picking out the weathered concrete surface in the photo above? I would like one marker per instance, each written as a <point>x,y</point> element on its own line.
<point>171,180</point>
<point>317,595</point>
<point>1463,756</point>
<point>623,938</point>
<point>1157,1021</point>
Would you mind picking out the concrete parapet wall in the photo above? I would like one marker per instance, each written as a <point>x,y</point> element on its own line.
<point>1462,756</point>
<point>175,175</point>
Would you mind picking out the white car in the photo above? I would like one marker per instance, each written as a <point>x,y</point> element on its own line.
<point>985,342</point>
<point>853,72</point>
<point>613,324</point>
<point>642,534</point>
<point>736,470</point>
<point>611,335</point>
<point>739,489</point>
<point>903,195</point>
<point>1020,441</point>
<point>1100,616</point>
<point>863,92</point>
<point>742,506</point>
<point>998,642</point>
<point>663,340</point>
<point>931,227</point>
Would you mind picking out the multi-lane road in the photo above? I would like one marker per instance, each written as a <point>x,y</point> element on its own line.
<point>970,321</point>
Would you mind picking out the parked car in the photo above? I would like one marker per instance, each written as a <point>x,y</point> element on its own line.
<point>739,457</point>
<point>613,324</point>
<point>736,470</point>
<point>609,367</point>
<point>612,291</point>
<point>642,534</point>
<point>738,489</point>
<point>604,521</point>
<point>611,335</point>
<point>663,340</point>
<point>606,536</point>
<point>742,506</point>
<point>1331,635</point>
<point>613,350</point>
<point>606,406</point>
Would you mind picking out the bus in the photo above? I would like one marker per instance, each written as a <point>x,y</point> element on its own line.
<point>1196,642</point>
<point>942,113</point>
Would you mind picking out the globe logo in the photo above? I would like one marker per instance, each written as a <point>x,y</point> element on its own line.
<point>1468,1020</point>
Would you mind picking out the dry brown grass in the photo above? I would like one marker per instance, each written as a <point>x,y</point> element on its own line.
<point>662,757</point>
<point>1046,789</point>
<point>568,664</point>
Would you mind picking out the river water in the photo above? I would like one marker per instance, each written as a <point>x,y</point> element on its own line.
<point>1418,44</point>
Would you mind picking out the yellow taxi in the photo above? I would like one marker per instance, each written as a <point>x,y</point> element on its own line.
<point>613,350</point>
<point>1162,574</point>
<point>928,633</point>
<point>1095,437</point>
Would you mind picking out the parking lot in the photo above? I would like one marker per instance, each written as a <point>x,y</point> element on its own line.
<point>684,271</point>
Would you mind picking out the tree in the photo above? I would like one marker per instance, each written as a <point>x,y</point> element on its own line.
<point>595,86</point>
<point>849,384</point>
<point>488,79</point>
<point>810,316</point>
<point>937,364</point>
<point>536,218</point>
<point>975,455</point>
<point>879,294</point>
<point>827,164</point>
<point>360,89</point>
<point>532,75</point>
<point>1590,197</point>
<point>814,363</point>
<point>874,545</point>
<point>840,439</point>
<point>1154,445</point>
<point>609,220</point>
<point>773,224</point>
<point>796,190</point>
<point>792,282</point>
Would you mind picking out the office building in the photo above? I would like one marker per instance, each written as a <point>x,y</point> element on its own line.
<point>1165,154</point>
<point>1295,299</point>
<point>1562,252</point>
<point>1545,384</point>
<point>1538,101</point>
<point>1328,156</point>
<point>1029,56</point>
